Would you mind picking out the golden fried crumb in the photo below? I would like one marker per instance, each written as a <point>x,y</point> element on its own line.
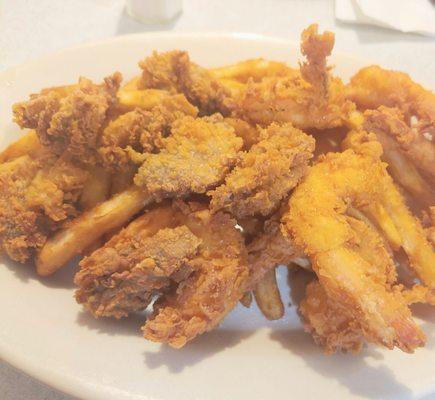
<point>264,175</point>
<point>194,158</point>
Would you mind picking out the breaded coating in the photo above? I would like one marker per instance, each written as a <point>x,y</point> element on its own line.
<point>348,256</point>
<point>418,148</point>
<point>373,137</point>
<point>309,99</point>
<point>141,131</point>
<point>194,158</point>
<point>408,135</point>
<point>71,119</point>
<point>201,301</point>
<point>20,228</point>
<point>265,174</point>
<point>136,264</point>
<point>373,86</point>
<point>56,188</point>
<point>269,249</point>
<point>329,321</point>
<point>175,72</point>
<point>36,194</point>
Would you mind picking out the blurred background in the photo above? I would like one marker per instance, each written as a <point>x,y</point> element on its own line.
<point>370,29</point>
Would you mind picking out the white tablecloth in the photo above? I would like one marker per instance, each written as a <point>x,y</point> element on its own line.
<point>29,28</point>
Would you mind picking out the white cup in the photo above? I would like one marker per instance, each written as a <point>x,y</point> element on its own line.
<point>154,10</point>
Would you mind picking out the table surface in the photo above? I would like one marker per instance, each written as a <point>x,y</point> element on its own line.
<point>30,28</point>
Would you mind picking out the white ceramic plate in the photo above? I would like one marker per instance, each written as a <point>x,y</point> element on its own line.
<point>47,335</point>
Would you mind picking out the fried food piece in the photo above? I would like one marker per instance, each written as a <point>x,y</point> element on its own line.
<point>246,299</point>
<point>373,86</point>
<point>96,189</point>
<point>70,120</point>
<point>27,144</point>
<point>268,297</point>
<point>343,259</point>
<point>201,301</point>
<point>268,250</point>
<point>332,325</point>
<point>56,188</point>
<point>393,218</point>
<point>81,232</point>
<point>400,166</point>
<point>141,131</point>
<point>144,259</point>
<point>36,195</point>
<point>390,122</point>
<point>264,175</point>
<point>329,321</point>
<point>173,71</point>
<point>255,69</point>
<point>194,158</point>
<point>144,99</point>
<point>309,99</point>
<point>20,228</point>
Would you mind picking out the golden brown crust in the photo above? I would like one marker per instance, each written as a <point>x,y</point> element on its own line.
<point>329,321</point>
<point>136,264</point>
<point>70,120</point>
<point>175,72</point>
<point>265,174</point>
<point>308,99</point>
<point>141,131</point>
<point>194,158</point>
<point>269,249</point>
<point>347,255</point>
<point>36,195</point>
<point>200,302</point>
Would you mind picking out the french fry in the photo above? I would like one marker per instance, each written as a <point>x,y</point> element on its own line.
<point>132,84</point>
<point>27,144</point>
<point>246,300</point>
<point>96,189</point>
<point>268,297</point>
<point>120,182</point>
<point>256,69</point>
<point>146,99</point>
<point>88,227</point>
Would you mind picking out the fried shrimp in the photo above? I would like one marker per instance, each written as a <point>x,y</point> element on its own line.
<point>380,126</point>
<point>413,127</point>
<point>391,215</point>
<point>329,321</point>
<point>373,86</point>
<point>341,250</point>
<point>309,99</point>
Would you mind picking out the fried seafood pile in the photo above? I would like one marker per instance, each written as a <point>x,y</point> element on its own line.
<point>185,189</point>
